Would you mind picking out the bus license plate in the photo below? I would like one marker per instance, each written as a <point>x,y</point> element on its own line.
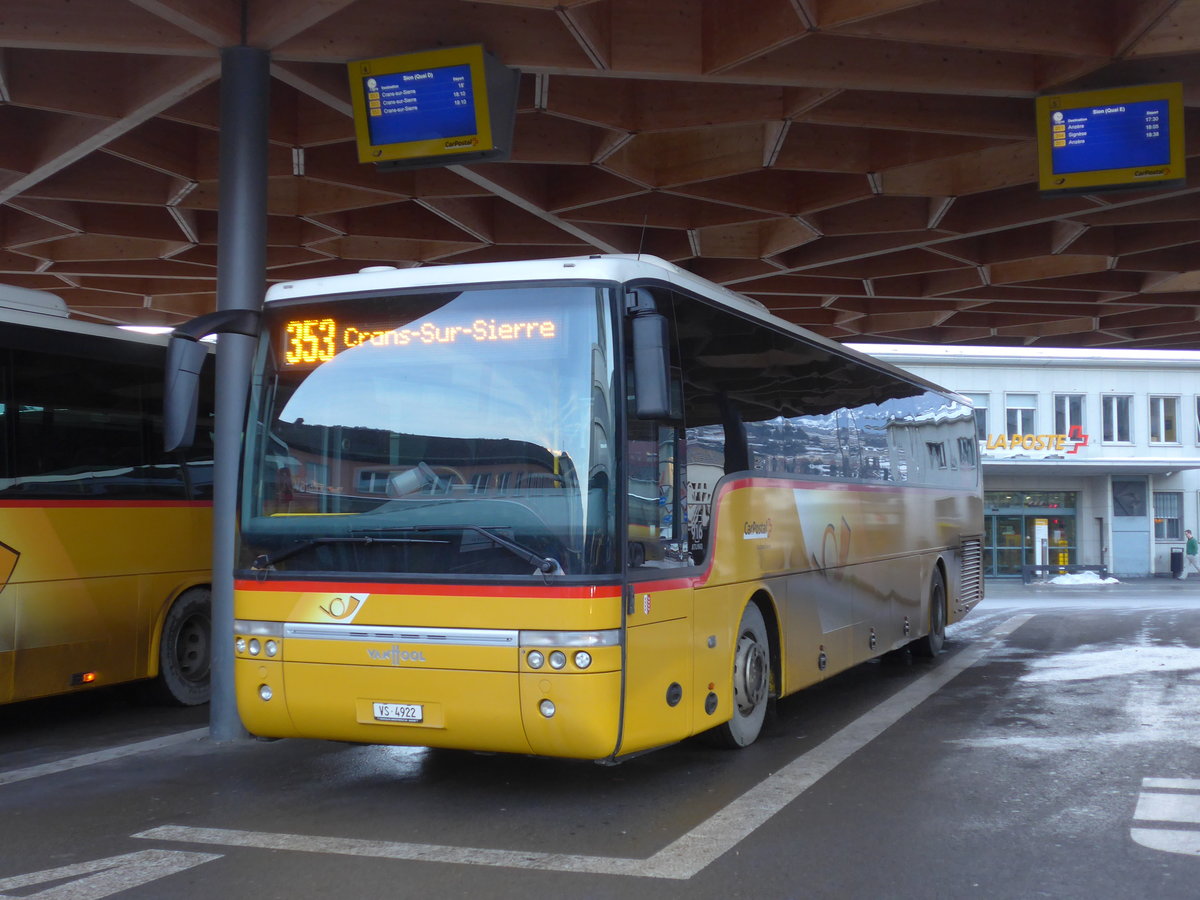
<point>399,712</point>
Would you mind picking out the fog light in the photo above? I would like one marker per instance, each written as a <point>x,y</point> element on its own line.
<point>535,659</point>
<point>255,647</point>
<point>546,707</point>
<point>558,659</point>
<point>272,648</point>
<point>264,691</point>
<point>583,659</point>
<point>240,645</point>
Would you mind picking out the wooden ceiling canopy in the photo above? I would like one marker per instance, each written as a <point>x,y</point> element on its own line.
<point>866,168</point>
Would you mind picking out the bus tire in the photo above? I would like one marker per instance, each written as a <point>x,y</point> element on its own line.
<point>185,651</point>
<point>751,683</point>
<point>931,644</point>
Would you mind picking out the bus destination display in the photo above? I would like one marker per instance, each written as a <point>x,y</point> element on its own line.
<point>308,342</point>
<point>429,104</point>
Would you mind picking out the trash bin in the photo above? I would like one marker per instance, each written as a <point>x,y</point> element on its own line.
<point>1176,562</point>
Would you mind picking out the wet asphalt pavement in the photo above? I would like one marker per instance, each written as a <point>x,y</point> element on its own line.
<point>1052,751</point>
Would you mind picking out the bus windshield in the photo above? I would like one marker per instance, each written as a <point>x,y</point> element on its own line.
<point>457,433</point>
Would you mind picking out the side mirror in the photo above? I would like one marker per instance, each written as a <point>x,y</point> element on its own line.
<point>651,357</point>
<point>185,358</point>
<point>181,392</point>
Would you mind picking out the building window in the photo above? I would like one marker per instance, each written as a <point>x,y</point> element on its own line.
<point>1164,414</point>
<point>937,454</point>
<point>1068,413</point>
<point>980,402</point>
<point>1168,515</point>
<point>1021,413</point>
<point>1198,420</point>
<point>1116,419</point>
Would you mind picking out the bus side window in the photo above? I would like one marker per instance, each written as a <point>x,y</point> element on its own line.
<point>658,534</point>
<point>705,464</point>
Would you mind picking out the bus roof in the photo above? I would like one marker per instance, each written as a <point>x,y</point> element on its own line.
<point>29,300</point>
<point>44,310</point>
<point>617,268</point>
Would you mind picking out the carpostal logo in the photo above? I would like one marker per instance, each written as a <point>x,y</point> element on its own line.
<point>461,143</point>
<point>1151,173</point>
<point>756,531</point>
<point>395,655</point>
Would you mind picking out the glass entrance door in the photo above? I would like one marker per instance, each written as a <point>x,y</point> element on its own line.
<point>1011,534</point>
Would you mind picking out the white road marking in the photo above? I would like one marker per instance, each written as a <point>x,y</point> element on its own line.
<point>100,756</point>
<point>103,877</point>
<point>1169,808</point>
<point>1169,800</point>
<point>1168,840</point>
<point>683,858</point>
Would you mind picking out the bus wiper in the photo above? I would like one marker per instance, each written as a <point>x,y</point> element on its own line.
<point>546,565</point>
<point>266,560</point>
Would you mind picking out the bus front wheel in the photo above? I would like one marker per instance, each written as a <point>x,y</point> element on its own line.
<point>931,644</point>
<point>185,652</point>
<point>751,682</point>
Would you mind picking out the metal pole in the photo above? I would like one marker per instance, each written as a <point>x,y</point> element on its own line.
<point>241,275</point>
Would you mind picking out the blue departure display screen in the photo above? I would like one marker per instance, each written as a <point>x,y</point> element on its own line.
<point>1118,136</point>
<point>421,105</point>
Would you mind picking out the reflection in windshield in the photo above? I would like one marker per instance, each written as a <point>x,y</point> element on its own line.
<point>477,420</point>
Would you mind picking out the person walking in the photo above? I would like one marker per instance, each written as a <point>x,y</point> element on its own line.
<point>1190,550</point>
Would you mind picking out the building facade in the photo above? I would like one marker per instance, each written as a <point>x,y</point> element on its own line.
<point>1089,457</point>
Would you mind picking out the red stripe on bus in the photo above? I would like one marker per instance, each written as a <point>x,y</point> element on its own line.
<point>439,590</point>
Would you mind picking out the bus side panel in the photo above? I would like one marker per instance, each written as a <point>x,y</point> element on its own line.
<point>659,693</point>
<point>718,614</point>
<point>818,631</point>
<point>78,600</point>
<point>9,599</point>
<point>68,627</point>
<point>862,557</point>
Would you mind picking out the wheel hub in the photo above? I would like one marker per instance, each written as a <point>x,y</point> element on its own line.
<point>751,668</point>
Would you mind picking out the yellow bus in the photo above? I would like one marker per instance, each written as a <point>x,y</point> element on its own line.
<point>105,540</point>
<point>579,508</point>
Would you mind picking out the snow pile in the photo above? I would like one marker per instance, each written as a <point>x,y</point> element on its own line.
<point>1089,663</point>
<point>1082,578</point>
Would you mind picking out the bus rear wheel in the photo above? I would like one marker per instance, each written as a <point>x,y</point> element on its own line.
<point>185,651</point>
<point>751,683</point>
<point>931,644</point>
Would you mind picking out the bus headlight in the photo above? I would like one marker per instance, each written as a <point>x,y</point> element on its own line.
<point>546,707</point>
<point>535,659</point>
<point>258,638</point>
<point>583,659</point>
<point>558,659</point>
<point>264,691</point>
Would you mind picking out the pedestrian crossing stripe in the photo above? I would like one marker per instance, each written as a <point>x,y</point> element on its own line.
<point>1172,806</point>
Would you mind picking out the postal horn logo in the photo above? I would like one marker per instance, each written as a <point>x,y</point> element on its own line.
<point>344,609</point>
